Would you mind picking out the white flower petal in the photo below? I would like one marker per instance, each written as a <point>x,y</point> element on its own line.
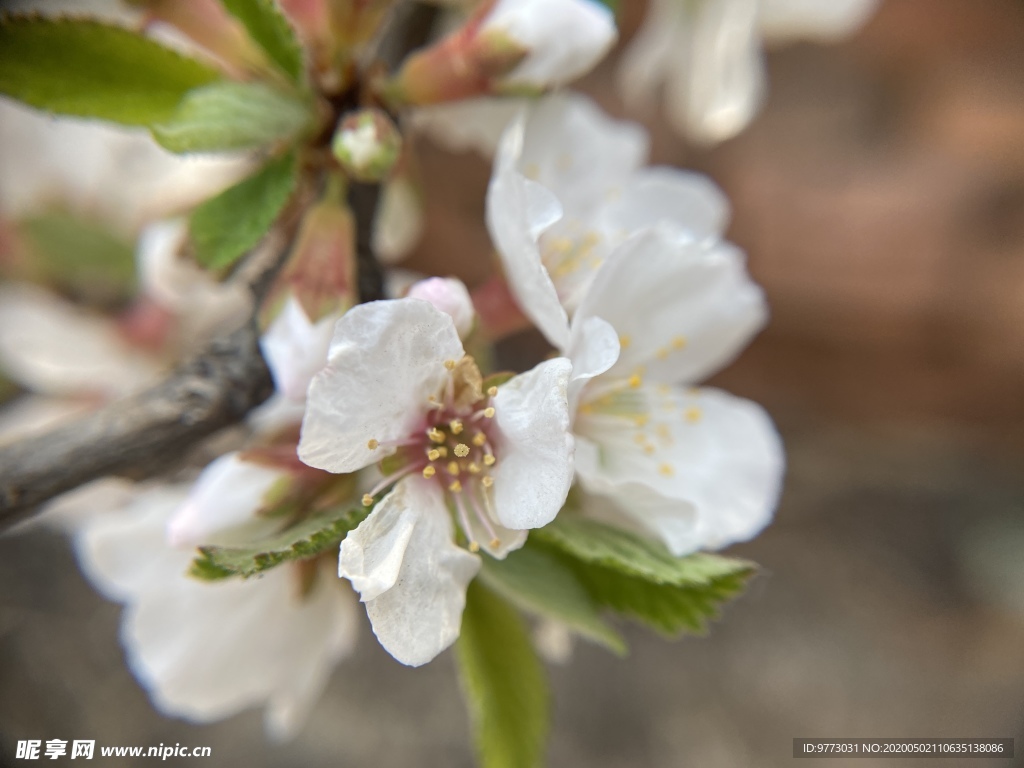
<point>535,466</point>
<point>783,20</point>
<point>593,349</point>
<point>682,309</point>
<point>700,452</point>
<point>564,38</point>
<point>296,349</point>
<point>202,305</point>
<point>643,65</point>
<point>371,555</point>
<point>222,506</point>
<point>52,347</point>
<point>206,651</point>
<point>385,361</point>
<point>421,614</point>
<point>582,155</point>
<point>670,197</point>
<point>716,83</point>
<point>517,211</point>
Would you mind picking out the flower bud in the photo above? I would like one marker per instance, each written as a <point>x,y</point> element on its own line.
<point>450,296</point>
<point>367,144</point>
<point>508,46</point>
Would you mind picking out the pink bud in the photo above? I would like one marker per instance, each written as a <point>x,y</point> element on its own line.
<point>450,296</point>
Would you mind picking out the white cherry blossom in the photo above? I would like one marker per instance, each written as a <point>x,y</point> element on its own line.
<point>205,651</point>
<point>646,299</point>
<point>498,461</point>
<point>707,55</point>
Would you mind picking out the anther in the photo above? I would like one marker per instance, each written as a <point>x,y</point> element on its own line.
<point>456,426</point>
<point>367,500</point>
<point>635,381</point>
<point>479,439</point>
<point>495,543</point>
<point>492,391</point>
<point>436,435</point>
<point>429,472</point>
<point>449,364</point>
<point>443,450</point>
<point>487,481</point>
<point>678,342</point>
<point>489,459</point>
<point>453,468</point>
<point>473,468</point>
<point>455,486</point>
<point>625,341</point>
<point>373,445</point>
<point>462,450</point>
<point>693,414</point>
<point>489,413</point>
<point>667,470</point>
<point>474,547</point>
<point>433,454</point>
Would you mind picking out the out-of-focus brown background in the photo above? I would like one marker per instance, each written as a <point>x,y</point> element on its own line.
<point>880,197</point>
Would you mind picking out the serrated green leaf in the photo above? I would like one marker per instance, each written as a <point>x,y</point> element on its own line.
<point>226,116</point>
<point>269,28</point>
<point>90,69</point>
<point>667,608</point>
<point>309,538</point>
<point>535,581</point>
<point>79,256</point>
<point>503,683</point>
<point>228,225</point>
<point>594,542</point>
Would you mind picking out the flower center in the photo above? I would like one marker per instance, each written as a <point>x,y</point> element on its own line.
<point>455,447</point>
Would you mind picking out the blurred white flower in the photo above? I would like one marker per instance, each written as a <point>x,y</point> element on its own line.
<point>707,55</point>
<point>205,651</point>
<point>118,176</point>
<point>657,303</point>
<point>398,384</point>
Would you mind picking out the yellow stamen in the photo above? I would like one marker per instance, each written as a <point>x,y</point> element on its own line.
<point>474,547</point>
<point>456,426</point>
<point>453,468</point>
<point>693,414</point>
<point>489,459</point>
<point>455,486</point>
<point>492,391</point>
<point>367,500</point>
<point>462,450</point>
<point>625,341</point>
<point>487,481</point>
<point>488,413</point>
<point>678,342</point>
<point>429,472</point>
<point>433,454</point>
<point>479,439</point>
<point>635,381</point>
<point>449,364</point>
<point>443,450</point>
<point>435,435</point>
<point>373,445</point>
<point>666,470</point>
<point>473,468</point>
<point>495,543</point>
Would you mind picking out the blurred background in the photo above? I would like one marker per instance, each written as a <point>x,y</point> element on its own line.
<point>880,197</point>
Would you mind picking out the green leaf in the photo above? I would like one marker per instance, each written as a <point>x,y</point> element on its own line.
<point>503,682</point>
<point>267,25</point>
<point>228,225</point>
<point>79,256</point>
<point>90,69</point>
<point>666,608</point>
<point>316,534</point>
<point>226,116</point>
<point>594,542</point>
<point>535,581</point>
